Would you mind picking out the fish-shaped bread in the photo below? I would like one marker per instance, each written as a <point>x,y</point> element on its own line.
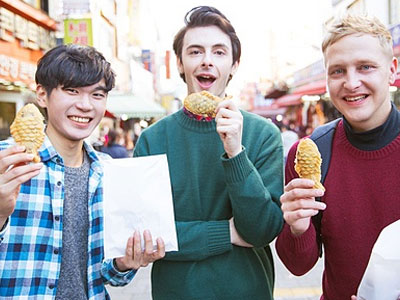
<point>202,103</point>
<point>28,129</point>
<point>308,162</point>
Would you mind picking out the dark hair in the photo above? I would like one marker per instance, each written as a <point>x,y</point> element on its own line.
<point>202,16</point>
<point>73,66</point>
<point>112,136</point>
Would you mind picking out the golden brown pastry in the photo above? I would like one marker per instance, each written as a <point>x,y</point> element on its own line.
<point>203,103</point>
<point>308,162</point>
<point>28,129</point>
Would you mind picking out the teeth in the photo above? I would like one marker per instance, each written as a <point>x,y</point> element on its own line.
<point>80,120</point>
<point>351,99</point>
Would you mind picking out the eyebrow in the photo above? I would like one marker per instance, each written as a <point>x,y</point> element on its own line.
<point>222,45</point>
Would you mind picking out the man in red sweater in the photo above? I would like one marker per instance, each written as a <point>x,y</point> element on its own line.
<point>362,187</point>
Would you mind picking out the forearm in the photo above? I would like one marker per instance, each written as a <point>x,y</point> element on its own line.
<point>257,215</point>
<point>298,253</point>
<point>199,240</point>
<point>112,276</point>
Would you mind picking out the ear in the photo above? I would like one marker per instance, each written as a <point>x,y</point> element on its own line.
<point>180,65</point>
<point>393,70</point>
<point>41,96</point>
<point>234,68</point>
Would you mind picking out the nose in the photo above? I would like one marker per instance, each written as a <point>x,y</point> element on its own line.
<point>84,102</point>
<point>207,60</point>
<point>352,81</point>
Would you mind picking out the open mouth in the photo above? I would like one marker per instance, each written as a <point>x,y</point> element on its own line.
<point>355,99</point>
<point>80,119</point>
<point>206,79</point>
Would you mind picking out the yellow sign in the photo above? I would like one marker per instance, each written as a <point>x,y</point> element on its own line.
<point>78,31</point>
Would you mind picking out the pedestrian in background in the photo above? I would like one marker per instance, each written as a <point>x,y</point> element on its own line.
<point>114,147</point>
<point>226,175</point>
<point>362,188</point>
<point>51,217</point>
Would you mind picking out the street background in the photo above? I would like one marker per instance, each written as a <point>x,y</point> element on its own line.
<point>287,286</point>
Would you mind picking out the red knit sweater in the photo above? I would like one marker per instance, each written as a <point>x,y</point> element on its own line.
<point>362,197</point>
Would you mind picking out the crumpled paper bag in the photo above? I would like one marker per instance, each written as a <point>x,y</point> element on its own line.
<point>137,196</point>
<point>381,279</point>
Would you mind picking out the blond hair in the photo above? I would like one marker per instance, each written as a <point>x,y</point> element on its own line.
<point>358,24</point>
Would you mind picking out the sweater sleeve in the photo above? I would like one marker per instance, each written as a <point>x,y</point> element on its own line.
<point>254,189</point>
<point>298,253</point>
<point>197,240</point>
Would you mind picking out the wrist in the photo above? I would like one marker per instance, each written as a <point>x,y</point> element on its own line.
<point>118,267</point>
<point>234,153</point>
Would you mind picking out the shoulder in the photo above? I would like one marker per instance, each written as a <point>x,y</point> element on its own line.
<point>256,122</point>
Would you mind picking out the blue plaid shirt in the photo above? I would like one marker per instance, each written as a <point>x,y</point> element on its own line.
<point>30,244</point>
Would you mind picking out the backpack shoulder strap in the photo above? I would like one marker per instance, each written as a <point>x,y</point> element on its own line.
<point>323,136</point>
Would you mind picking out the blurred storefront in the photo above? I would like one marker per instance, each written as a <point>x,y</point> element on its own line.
<point>395,31</point>
<point>25,34</point>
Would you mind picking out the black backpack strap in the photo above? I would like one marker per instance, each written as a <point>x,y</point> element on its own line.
<point>323,137</point>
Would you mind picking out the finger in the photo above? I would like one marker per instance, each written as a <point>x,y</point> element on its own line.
<point>160,249</point>
<point>12,150</point>
<point>148,240</point>
<point>129,248</point>
<point>302,204</point>
<point>233,128</point>
<point>137,249</point>
<point>299,183</point>
<point>293,216</point>
<point>227,122</point>
<point>228,114</point>
<point>227,103</point>
<point>17,173</point>
<point>300,193</point>
<point>12,185</point>
<point>14,160</point>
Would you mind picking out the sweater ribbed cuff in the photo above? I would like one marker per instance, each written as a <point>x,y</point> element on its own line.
<point>237,168</point>
<point>219,238</point>
<point>301,243</point>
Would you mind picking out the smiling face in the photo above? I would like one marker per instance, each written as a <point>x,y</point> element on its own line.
<point>359,72</point>
<point>73,113</point>
<point>207,60</point>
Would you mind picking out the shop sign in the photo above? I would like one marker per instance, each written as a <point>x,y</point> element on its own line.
<point>30,35</point>
<point>78,31</point>
<point>309,73</point>
<point>16,70</point>
<point>395,31</point>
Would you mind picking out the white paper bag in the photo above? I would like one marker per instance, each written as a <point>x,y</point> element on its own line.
<point>137,196</point>
<point>381,278</point>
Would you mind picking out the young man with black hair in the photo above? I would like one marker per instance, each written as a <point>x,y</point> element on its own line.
<point>51,219</point>
<point>226,175</point>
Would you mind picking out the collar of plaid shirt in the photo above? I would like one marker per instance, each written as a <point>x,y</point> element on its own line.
<point>30,245</point>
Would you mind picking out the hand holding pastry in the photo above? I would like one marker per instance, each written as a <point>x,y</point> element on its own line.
<point>230,126</point>
<point>298,200</point>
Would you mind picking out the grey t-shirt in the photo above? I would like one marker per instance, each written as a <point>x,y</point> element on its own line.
<point>72,283</point>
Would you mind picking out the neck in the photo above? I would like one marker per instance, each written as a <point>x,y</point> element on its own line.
<point>70,151</point>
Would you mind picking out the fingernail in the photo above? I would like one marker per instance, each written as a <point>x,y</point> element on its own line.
<point>31,156</point>
<point>20,148</point>
<point>322,205</point>
<point>320,193</point>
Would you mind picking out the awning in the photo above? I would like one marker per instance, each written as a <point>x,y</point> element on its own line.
<point>269,111</point>
<point>312,88</point>
<point>288,100</point>
<point>131,106</point>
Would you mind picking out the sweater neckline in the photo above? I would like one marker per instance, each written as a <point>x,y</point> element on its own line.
<point>366,154</point>
<point>193,124</point>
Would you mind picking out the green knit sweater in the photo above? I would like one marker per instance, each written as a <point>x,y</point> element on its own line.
<point>208,189</point>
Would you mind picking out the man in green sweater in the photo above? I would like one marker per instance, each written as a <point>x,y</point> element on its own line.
<point>226,175</point>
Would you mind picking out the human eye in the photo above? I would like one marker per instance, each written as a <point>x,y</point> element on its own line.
<point>366,67</point>
<point>99,95</point>
<point>336,71</point>
<point>71,91</point>
<point>194,52</point>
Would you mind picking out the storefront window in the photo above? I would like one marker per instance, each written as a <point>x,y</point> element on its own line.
<point>7,114</point>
